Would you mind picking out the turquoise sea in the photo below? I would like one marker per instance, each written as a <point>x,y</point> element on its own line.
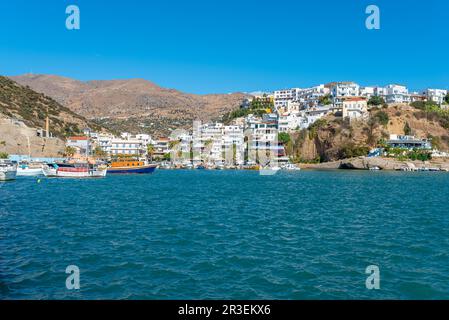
<point>227,235</point>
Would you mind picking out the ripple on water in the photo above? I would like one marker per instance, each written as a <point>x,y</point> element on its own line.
<point>226,235</point>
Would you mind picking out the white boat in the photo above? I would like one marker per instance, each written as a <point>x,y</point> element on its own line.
<point>291,167</point>
<point>30,169</point>
<point>76,170</point>
<point>50,170</point>
<point>8,170</point>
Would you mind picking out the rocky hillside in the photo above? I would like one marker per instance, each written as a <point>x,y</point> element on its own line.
<point>134,105</point>
<point>23,110</point>
<point>333,138</point>
<point>22,103</point>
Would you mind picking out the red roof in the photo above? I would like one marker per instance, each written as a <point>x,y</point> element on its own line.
<point>355,99</point>
<point>78,138</point>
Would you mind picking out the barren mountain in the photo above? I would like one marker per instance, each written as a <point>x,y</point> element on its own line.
<point>134,105</point>
<point>23,111</point>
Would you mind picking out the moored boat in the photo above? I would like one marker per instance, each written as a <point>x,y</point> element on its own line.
<point>291,167</point>
<point>30,169</point>
<point>76,170</point>
<point>131,167</point>
<point>8,170</point>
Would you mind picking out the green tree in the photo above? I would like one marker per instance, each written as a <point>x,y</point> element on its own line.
<point>407,129</point>
<point>446,99</point>
<point>167,157</point>
<point>382,117</point>
<point>150,151</point>
<point>352,150</point>
<point>284,138</point>
<point>376,101</point>
<point>3,155</point>
<point>99,152</point>
<point>69,151</point>
<point>325,100</point>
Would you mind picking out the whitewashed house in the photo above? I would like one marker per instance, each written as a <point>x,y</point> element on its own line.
<point>233,144</point>
<point>435,95</point>
<point>355,108</point>
<point>289,121</point>
<point>342,90</point>
<point>367,92</point>
<point>130,146</point>
<point>397,94</point>
<point>310,97</point>
<point>282,97</point>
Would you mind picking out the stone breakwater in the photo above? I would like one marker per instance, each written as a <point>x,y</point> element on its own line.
<point>365,163</point>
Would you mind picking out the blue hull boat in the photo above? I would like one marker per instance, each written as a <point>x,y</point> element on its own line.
<point>132,170</point>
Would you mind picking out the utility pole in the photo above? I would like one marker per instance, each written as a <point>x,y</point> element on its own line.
<point>47,126</point>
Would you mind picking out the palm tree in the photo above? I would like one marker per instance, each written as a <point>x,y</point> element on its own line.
<point>150,151</point>
<point>69,151</point>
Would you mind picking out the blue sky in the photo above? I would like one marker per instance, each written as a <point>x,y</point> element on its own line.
<point>227,46</point>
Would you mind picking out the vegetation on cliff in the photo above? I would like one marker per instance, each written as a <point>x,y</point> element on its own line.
<point>257,107</point>
<point>24,104</point>
<point>333,138</point>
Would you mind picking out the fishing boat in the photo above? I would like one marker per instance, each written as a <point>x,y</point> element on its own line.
<point>131,167</point>
<point>8,170</point>
<point>50,170</point>
<point>76,170</point>
<point>30,169</point>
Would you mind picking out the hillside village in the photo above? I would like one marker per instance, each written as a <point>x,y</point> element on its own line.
<point>324,123</point>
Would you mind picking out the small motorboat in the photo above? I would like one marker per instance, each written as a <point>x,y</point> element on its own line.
<point>291,167</point>
<point>30,169</point>
<point>8,170</point>
<point>50,169</point>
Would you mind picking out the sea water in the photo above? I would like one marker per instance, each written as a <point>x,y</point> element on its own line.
<point>227,235</point>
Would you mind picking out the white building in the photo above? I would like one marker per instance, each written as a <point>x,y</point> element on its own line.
<point>342,90</point>
<point>355,108</point>
<point>367,92</point>
<point>104,141</point>
<point>131,147</point>
<point>144,138</point>
<point>80,144</point>
<point>345,89</point>
<point>233,144</point>
<point>311,115</point>
<point>161,147</point>
<point>310,97</point>
<point>435,95</point>
<point>263,145</point>
<point>395,93</point>
<point>282,97</point>
<point>289,122</point>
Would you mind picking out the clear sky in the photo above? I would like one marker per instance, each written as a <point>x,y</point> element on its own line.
<point>230,45</point>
